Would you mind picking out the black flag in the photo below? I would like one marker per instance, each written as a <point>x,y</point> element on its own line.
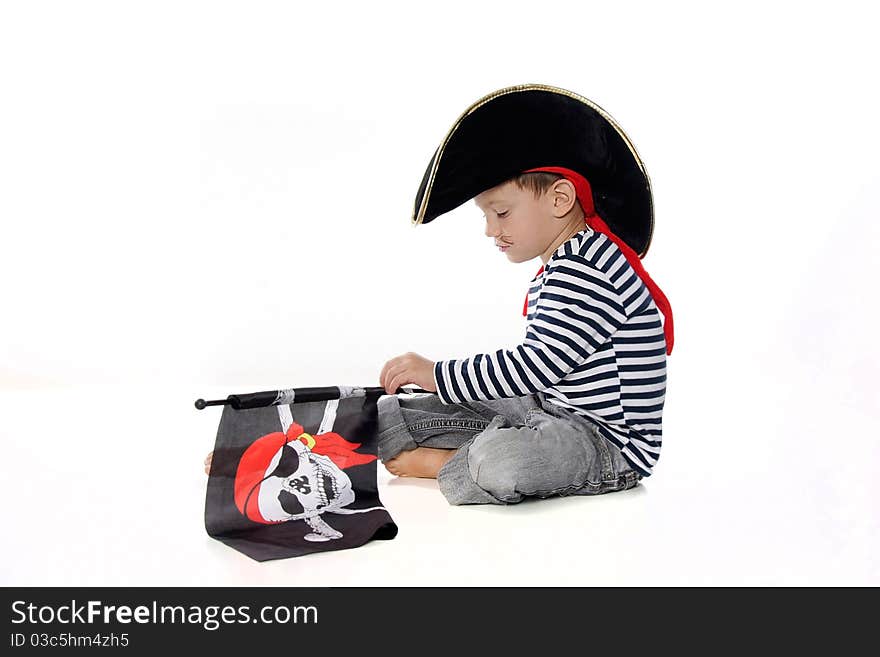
<point>290,479</point>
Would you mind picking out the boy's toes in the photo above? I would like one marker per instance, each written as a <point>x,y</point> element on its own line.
<point>393,466</point>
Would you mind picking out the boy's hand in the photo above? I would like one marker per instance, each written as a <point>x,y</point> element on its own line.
<point>408,368</point>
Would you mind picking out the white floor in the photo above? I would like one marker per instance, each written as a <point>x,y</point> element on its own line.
<point>104,486</point>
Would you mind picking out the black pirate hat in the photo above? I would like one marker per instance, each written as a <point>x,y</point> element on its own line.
<point>537,127</point>
<point>527,126</point>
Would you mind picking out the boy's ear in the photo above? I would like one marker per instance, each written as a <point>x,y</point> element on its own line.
<point>564,196</point>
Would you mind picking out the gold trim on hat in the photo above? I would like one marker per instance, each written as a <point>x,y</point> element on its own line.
<point>417,218</point>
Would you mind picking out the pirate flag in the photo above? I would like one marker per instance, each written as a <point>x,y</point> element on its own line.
<point>294,472</point>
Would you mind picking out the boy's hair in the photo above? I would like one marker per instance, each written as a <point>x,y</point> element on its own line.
<point>537,181</point>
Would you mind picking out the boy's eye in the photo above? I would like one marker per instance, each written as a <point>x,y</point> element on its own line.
<point>502,214</point>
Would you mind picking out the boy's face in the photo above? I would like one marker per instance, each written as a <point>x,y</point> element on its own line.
<point>531,226</point>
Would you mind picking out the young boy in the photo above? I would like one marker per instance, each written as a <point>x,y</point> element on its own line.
<point>577,407</point>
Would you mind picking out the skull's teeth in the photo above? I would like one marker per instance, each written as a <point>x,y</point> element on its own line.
<point>320,475</point>
<point>319,483</point>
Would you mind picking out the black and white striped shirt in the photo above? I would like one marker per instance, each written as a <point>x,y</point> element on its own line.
<point>594,345</point>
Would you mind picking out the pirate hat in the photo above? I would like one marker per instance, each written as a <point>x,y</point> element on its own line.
<point>537,127</point>
<point>529,126</point>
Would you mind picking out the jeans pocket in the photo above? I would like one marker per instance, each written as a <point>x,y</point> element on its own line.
<point>532,414</point>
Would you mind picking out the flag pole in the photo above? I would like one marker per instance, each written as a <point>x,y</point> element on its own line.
<point>290,395</point>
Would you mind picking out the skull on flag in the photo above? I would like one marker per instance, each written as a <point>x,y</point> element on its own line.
<point>296,476</point>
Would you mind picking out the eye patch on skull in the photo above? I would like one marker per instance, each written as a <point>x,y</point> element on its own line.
<point>288,463</point>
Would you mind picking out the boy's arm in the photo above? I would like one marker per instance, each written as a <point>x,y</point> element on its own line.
<point>578,309</point>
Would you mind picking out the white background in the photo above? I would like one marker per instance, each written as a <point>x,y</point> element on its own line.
<point>206,198</point>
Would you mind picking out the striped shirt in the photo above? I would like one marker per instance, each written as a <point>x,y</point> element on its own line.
<point>594,345</point>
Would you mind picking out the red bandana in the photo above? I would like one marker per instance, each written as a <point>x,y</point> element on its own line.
<point>594,221</point>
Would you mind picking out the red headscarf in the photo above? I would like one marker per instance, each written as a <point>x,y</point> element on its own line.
<point>594,221</point>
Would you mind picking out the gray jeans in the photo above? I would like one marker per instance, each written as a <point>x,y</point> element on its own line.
<point>505,448</point>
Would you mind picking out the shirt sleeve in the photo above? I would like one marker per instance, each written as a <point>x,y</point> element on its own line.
<point>577,310</point>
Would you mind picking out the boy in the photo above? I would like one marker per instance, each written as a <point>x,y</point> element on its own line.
<point>577,407</point>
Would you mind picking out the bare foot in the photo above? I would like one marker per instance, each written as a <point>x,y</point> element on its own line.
<point>208,462</point>
<point>419,462</point>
